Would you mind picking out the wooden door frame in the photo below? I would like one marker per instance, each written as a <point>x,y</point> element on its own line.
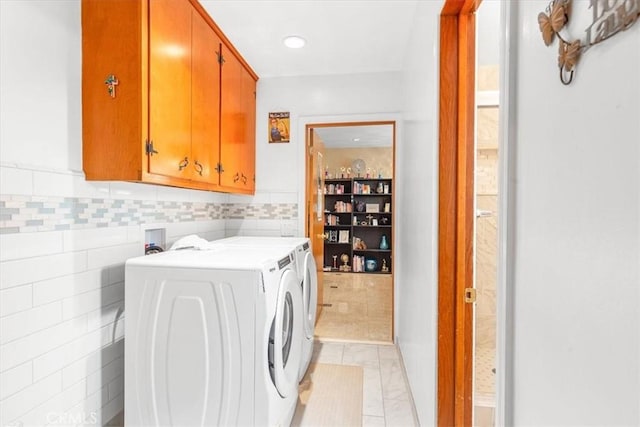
<point>456,211</point>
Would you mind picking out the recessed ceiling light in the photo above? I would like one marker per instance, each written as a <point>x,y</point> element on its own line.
<point>356,139</point>
<point>294,42</point>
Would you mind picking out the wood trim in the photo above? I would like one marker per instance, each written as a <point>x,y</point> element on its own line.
<point>456,213</point>
<point>345,124</point>
<point>452,8</point>
<point>465,214</point>
<point>447,223</point>
<point>308,141</point>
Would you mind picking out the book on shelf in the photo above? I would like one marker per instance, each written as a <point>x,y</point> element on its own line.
<point>358,263</point>
<point>341,206</point>
<point>334,189</point>
<point>360,188</point>
<point>332,220</point>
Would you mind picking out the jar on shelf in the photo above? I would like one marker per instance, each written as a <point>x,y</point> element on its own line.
<point>370,264</point>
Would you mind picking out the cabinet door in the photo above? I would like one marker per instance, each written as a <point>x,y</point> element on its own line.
<point>232,124</point>
<point>249,137</point>
<point>112,128</point>
<point>170,87</point>
<point>205,84</point>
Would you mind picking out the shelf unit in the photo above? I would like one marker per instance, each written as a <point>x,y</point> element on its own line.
<point>358,209</point>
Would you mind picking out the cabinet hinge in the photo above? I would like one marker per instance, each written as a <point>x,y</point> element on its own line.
<point>149,148</point>
<point>219,168</point>
<point>469,295</point>
<point>220,58</point>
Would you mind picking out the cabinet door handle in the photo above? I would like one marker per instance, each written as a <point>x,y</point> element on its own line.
<point>149,148</point>
<point>199,167</point>
<point>244,179</point>
<point>236,177</point>
<point>183,164</point>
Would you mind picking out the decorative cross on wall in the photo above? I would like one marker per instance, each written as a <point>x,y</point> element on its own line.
<point>111,83</point>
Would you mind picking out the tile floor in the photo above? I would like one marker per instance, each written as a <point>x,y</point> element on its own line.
<point>484,398</point>
<point>358,307</point>
<point>386,397</point>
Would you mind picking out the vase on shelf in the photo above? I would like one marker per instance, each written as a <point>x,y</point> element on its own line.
<point>383,242</point>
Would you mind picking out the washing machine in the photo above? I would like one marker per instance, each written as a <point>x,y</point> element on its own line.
<point>212,337</point>
<point>307,275</point>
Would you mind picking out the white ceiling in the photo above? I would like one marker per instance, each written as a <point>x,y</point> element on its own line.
<point>343,36</point>
<point>369,136</point>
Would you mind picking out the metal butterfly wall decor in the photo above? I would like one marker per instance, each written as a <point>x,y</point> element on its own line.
<point>609,18</point>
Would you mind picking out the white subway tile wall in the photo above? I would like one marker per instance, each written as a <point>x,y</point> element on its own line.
<point>63,245</point>
<point>16,379</point>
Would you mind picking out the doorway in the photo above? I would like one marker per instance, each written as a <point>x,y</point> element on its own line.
<point>487,213</point>
<point>357,301</point>
<point>471,293</point>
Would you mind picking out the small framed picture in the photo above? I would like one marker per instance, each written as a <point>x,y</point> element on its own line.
<point>343,236</point>
<point>333,236</point>
<point>374,222</point>
<point>279,127</point>
<point>372,207</point>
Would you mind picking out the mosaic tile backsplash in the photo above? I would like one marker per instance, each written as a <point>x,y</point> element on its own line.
<point>23,214</point>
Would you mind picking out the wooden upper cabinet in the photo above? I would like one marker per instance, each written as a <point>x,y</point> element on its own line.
<point>173,113</point>
<point>205,92</point>
<point>249,111</point>
<point>114,123</point>
<point>170,88</point>
<point>231,130</point>
<point>237,134</point>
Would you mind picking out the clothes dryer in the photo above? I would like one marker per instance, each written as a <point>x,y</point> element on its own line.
<point>213,337</point>
<point>307,275</point>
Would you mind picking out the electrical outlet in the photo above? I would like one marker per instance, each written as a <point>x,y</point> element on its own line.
<point>288,228</point>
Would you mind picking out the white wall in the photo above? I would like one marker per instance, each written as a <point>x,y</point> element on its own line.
<point>488,32</point>
<point>62,251</point>
<point>576,279</point>
<point>416,199</point>
<point>314,99</point>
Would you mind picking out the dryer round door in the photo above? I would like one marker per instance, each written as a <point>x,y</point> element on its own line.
<point>286,335</point>
<point>309,294</point>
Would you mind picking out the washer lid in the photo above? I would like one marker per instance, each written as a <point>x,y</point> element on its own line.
<point>287,335</point>
<point>309,294</point>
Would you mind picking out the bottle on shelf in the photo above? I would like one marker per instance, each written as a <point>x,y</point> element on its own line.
<point>383,242</point>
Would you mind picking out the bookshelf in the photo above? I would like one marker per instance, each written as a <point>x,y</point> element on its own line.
<point>358,224</point>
